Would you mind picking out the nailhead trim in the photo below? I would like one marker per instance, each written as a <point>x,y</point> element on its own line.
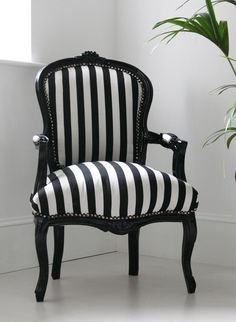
<point>37,214</point>
<point>139,111</point>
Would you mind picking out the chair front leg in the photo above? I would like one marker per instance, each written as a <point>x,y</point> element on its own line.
<point>189,238</point>
<point>41,229</point>
<point>58,251</point>
<point>133,237</point>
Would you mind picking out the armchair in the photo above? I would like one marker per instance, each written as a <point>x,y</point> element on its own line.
<point>94,143</point>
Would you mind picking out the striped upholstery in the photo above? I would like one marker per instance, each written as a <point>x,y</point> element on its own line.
<point>93,112</point>
<point>113,189</point>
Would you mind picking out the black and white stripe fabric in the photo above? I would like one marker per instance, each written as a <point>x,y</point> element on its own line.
<point>113,189</point>
<point>94,113</point>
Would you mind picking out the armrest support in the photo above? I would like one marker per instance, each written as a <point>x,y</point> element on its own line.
<point>41,143</point>
<point>171,141</point>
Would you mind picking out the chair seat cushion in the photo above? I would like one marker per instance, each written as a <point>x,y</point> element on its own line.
<point>113,190</point>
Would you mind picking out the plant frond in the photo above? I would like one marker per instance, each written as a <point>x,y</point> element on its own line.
<point>222,89</point>
<point>230,116</point>
<point>213,2</point>
<point>230,139</point>
<point>183,4</point>
<point>203,24</point>
<point>229,1</point>
<point>215,136</point>
<point>229,131</point>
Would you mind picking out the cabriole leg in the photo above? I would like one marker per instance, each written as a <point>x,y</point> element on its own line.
<point>134,252</point>
<point>58,251</point>
<point>41,229</point>
<point>189,238</point>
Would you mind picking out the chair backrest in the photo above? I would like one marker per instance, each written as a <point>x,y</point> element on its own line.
<point>93,109</point>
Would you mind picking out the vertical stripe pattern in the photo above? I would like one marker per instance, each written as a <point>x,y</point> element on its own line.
<point>94,113</point>
<point>113,189</point>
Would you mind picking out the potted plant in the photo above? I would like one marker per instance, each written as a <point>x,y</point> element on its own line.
<point>206,25</point>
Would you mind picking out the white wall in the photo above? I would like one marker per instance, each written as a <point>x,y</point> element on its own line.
<point>66,28</point>
<point>183,75</point>
<point>59,29</point>
<point>20,119</point>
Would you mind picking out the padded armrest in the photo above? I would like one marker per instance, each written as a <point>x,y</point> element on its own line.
<point>178,146</point>
<point>41,143</point>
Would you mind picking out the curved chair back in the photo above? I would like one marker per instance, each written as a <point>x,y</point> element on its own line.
<point>93,109</point>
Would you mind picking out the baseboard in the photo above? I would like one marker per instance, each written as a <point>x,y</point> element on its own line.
<point>215,242</point>
<point>231,219</point>
<point>16,221</point>
<point>17,243</point>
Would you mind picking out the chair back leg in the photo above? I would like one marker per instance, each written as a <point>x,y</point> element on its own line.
<point>41,229</point>
<point>189,238</point>
<point>133,240</point>
<point>58,251</point>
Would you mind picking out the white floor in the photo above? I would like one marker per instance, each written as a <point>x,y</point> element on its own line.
<point>99,289</point>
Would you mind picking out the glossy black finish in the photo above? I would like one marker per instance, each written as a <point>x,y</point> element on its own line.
<point>189,238</point>
<point>176,145</point>
<point>41,229</point>
<point>133,240</point>
<point>58,251</point>
<point>122,226</point>
<point>118,227</point>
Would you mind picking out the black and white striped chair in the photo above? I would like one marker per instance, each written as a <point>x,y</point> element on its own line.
<point>94,143</point>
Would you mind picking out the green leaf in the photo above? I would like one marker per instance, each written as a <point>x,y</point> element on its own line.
<point>232,109</point>
<point>201,27</point>
<point>203,24</point>
<point>183,4</point>
<point>230,116</point>
<point>212,17</point>
<point>213,2</point>
<point>224,88</point>
<point>213,138</point>
<point>224,37</point>
<point>171,35</point>
<point>185,23</point>
<point>174,21</point>
<point>216,136</point>
<point>166,34</point>
<point>229,130</point>
<point>230,139</point>
<point>229,1</point>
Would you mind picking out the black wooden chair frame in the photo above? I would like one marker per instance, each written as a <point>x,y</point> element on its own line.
<point>130,226</point>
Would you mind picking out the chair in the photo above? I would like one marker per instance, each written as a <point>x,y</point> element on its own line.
<point>94,144</point>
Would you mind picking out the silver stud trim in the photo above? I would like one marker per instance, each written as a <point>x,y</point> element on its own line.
<point>130,217</point>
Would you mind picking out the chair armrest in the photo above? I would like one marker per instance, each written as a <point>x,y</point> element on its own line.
<point>41,143</point>
<point>178,146</point>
